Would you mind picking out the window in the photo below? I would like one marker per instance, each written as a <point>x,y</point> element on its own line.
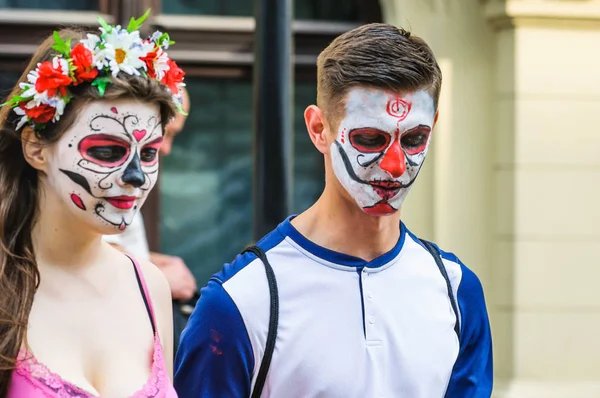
<point>78,5</point>
<point>330,10</point>
<point>7,82</point>
<point>206,182</point>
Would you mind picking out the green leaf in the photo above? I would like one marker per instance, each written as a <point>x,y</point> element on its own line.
<point>136,24</point>
<point>101,83</point>
<point>180,109</point>
<point>61,46</point>
<point>103,23</point>
<point>14,101</point>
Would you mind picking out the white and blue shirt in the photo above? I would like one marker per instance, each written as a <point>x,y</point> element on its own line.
<point>347,328</point>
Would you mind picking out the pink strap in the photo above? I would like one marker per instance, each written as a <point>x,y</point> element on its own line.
<point>145,293</point>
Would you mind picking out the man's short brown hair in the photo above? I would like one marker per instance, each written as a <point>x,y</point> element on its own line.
<point>379,56</point>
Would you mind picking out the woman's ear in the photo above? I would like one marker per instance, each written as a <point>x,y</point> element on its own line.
<point>317,128</point>
<point>33,150</point>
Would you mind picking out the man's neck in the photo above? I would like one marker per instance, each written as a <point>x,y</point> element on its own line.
<point>337,223</point>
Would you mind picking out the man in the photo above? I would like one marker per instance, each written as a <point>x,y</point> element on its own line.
<point>364,309</point>
<point>133,240</point>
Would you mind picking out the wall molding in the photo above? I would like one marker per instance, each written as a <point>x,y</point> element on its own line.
<point>505,14</point>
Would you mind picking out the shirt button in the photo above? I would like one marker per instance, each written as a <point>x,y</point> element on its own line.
<point>370,295</point>
<point>371,319</point>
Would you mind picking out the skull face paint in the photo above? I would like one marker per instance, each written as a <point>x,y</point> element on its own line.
<point>106,163</point>
<point>381,145</point>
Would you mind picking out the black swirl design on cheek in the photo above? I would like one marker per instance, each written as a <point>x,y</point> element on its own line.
<point>102,182</point>
<point>410,161</point>
<point>369,162</point>
<point>347,164</point>
<point>100,208</point>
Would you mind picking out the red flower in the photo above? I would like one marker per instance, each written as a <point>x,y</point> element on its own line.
<point>52,79</point>
<point>173,76</point>
<point>40,114</point>
<point>149,60</point>
<point>83,62</point>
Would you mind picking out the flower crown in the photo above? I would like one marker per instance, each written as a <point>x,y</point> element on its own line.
<point>45,95</point>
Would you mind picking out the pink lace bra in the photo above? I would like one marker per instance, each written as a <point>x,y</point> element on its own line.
<point>32,379</point>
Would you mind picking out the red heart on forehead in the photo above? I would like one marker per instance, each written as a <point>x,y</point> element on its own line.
<point>139,134</point>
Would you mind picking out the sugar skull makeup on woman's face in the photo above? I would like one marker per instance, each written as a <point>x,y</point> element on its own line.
<point>105,164</point>
<point>381,145</point>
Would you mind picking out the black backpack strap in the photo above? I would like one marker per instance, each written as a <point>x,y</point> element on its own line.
<point>273,322</point>
<point>438,260</point>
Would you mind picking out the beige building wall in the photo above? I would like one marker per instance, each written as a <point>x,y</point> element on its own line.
<point>513,179</point>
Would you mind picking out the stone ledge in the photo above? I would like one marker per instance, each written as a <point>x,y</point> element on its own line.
<point>538,13</point>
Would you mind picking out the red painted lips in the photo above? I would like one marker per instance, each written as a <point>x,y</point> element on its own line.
<point>386,189</point>
<point>122,202</point>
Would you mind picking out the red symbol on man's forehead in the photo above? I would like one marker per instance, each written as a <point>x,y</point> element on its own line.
<point>399,108</point>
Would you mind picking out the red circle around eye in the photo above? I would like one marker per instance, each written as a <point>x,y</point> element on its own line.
<point>417,149</point>
<point>369,140</point>
<point>102,140</point>
<point>156,144</point>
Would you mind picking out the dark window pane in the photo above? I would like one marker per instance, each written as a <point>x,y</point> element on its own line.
<point>79,5</point>
<point>332,10</point>
<point>206,182</point>
<point>7,82</point>
<point>309,169</point>
<point>191,7</point>
<point>327,10</point>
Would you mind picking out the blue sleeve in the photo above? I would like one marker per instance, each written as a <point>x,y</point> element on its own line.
<point>215,356</point>
<point>472,375</point>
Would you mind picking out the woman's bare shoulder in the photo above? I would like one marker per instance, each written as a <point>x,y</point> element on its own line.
<point>158,285</point>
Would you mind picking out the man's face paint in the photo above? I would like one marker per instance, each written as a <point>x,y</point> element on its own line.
<point>381,145</point>
<point>107,162</point>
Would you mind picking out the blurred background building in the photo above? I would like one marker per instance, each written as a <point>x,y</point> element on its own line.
<point>511,184</point>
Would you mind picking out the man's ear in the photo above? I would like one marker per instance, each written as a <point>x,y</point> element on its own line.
<point>435,119</point>
<point>317,128</point>
<point>33,150</point>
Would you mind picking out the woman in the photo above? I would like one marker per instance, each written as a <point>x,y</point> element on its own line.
<point>79,141</point>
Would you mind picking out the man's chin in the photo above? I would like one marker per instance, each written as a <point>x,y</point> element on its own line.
<point>380,209</point>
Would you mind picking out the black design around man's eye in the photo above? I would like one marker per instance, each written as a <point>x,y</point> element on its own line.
<point>413,140</point>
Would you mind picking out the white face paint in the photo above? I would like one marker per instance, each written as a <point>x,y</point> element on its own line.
<point>381,145</point>
<point>105,165</point>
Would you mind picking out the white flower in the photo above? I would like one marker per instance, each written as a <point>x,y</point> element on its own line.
<point>28,89</point>
<point>161,64</point>
<point>91,42</point>
<point>156,35</point>
<point>126,50</point>
<point>58,104</point>
<point>24,118</point>
<point>62,63</point>
<point>101,56</point>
